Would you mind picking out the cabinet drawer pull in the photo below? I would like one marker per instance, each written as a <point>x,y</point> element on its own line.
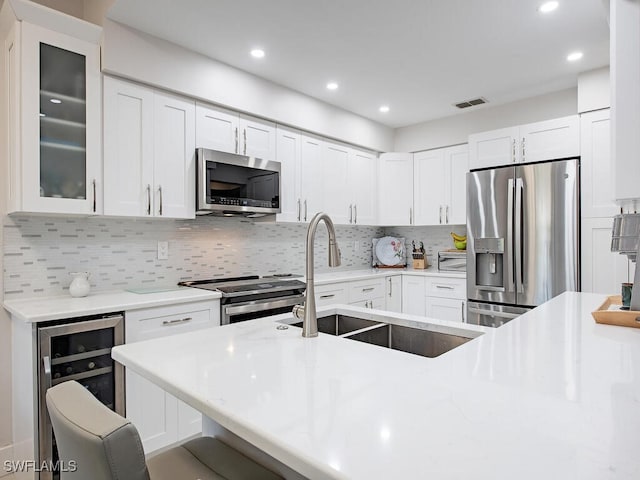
<point>94,195</point>
<point>370,289</point>
<point>444,287</point>
<point>328,296</point>
<point>176,321</point>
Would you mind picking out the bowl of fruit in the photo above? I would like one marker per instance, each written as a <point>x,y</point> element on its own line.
<point>460,241</point>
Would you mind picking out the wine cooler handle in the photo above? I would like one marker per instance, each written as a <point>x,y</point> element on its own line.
<point>46,361</point>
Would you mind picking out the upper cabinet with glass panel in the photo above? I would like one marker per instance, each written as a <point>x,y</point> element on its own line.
<point>53,81</point>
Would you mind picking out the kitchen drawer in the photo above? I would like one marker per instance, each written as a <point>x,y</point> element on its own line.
<point>331,294</point>
<point>163,321</point>
<point>366,290</point>
<point>447,288</point>
<point>375,303</point>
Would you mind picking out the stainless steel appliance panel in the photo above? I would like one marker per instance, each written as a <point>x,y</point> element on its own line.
<point>490,315</point>
<point>452,262</point>
<point>546,230</point>
<point>489,230</point>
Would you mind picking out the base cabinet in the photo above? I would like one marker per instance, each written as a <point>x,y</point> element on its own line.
<point>413,295</point>
<point>393,293</point>
<point>162,419</point>
<point>451,309</point>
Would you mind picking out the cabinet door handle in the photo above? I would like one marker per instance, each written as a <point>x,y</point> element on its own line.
<point>355,214</point>
<point>160,206</point>
<point>523,150</point>
<point>305,209</point>
<point>368,289</point>
<point>462,311</point>
<point>440,215</point>
<point>148,199</point>
<point>444,287</point>
<point>236,140</point>
<point>299,208</point>
<point>410,216</point>
<point>176,321</point>
<point>244,139</point>
<point>328,296</point>
<point>350,213</point>
<point>390,287</point>
<point>513,151</point>
<point>94,195</point>
<point>446,214</point>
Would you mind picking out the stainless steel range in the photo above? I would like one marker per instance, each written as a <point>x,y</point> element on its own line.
<point>250,297</point>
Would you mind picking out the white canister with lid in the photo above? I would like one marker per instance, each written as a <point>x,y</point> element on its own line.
<point>79,286</point>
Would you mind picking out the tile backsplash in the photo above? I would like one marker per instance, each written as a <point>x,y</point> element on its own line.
<point>39,252</point>
<point>435,238</point>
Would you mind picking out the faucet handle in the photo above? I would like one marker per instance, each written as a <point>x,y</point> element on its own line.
<point>298,312</point>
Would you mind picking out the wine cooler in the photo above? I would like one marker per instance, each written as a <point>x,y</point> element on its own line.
<point>77,349</point>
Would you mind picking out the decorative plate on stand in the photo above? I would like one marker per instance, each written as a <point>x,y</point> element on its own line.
<point>389,252</point>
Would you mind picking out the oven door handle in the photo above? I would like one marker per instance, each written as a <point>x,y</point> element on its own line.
<point>259,306</point>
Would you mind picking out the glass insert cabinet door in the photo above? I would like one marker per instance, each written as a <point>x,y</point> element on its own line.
<point>61,123</point>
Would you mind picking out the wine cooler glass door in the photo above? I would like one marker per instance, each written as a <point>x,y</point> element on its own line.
<point>78,351</point>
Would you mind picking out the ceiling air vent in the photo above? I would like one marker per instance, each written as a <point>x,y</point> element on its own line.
<point>471,103</point>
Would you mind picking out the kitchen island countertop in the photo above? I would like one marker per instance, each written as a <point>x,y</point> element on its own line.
<point>550,395</point>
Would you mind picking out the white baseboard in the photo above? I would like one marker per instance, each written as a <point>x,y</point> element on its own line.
<point>6,454</point>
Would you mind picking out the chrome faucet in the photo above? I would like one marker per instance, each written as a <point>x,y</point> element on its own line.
<point>307,313</point>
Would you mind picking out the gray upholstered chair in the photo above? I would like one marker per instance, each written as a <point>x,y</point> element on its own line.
<point>106,446</point>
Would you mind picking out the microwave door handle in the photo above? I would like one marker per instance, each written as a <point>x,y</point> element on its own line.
<point>510,271</point>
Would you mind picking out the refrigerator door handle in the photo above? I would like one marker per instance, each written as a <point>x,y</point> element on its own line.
<point>518,236</point>
<point>510,273</point>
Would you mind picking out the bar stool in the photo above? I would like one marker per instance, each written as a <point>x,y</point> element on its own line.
<point>98,444</point>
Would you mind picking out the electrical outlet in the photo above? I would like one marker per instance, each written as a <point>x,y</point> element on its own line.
<point>163,250</point>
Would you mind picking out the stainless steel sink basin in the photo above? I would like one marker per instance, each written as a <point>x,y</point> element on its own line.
<point>410,340</point>
<point>426,341</point>
<point>340,324</point>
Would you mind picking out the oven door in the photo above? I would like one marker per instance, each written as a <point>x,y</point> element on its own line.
<point>491,315</point>
<point>239,312</point>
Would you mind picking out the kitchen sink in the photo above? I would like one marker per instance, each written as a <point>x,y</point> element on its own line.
<point>426,341</point>
<point>340,324</point>
<point>418,341</point>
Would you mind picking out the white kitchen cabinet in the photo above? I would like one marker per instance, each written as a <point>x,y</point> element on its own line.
<point>312,171</point>
<point>336,190</point>
<point>414,295</point>
<point>440,186</point>
<point>393,293</point>
<point>51,82</point>
<point>331,294</point>
<point>288,145</point>
<point>363,186</point>
<point>602,270</point>
<point>149,152</point>
<point>395,189</point>
<point>228,131</point>
<point>533,142</point>
<point>451,309</point>
<point>596,166</point>
<point>159,417</point>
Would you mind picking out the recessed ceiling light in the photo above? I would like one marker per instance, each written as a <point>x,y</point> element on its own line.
<point>547,7</point>
<point>332,86</point>
<point>55,100</point>
<point>257,53</point>
<point>384,108</point>
<point>572,57</point>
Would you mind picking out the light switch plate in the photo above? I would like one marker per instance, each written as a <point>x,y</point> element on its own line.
<point>163,250</point>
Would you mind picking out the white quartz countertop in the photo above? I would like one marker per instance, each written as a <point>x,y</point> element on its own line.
<point>550,395</point>
<point>41,309</point>
<point>349,275</point>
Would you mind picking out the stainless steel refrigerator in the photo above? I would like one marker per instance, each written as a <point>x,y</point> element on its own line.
<point>523,238</point>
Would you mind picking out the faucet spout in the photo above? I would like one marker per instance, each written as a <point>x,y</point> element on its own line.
<point>307,313</point>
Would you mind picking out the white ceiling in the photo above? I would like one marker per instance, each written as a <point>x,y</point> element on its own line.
<point>417,56</point>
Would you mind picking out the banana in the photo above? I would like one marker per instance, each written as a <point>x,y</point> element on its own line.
<point>458,238</point>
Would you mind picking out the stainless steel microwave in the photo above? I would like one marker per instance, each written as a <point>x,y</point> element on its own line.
<point>230,184</point>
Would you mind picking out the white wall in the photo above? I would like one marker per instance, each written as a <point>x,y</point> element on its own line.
<point>594,90</point>
<point>456,129</point>
<point>133,54</point>
<point>95,11</point>
<point>70,7</point>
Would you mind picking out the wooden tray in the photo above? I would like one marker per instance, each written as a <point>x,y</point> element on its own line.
<point>623,318</point>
